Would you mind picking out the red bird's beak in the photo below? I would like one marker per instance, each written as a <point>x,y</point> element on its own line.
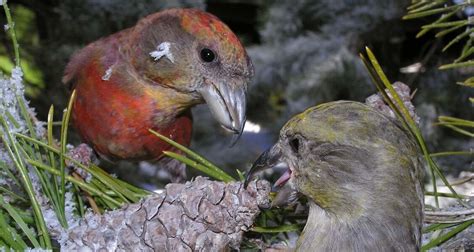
<point>227,104</point>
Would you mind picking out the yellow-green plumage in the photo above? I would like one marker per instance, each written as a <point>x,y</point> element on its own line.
<point>362,174</point>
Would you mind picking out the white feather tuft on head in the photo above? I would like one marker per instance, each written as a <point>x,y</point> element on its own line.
<point>163,49</point>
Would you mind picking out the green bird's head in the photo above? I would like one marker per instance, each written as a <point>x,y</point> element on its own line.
<point>356,166</point>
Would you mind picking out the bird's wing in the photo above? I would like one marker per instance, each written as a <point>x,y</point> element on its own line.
<point>104,52</point>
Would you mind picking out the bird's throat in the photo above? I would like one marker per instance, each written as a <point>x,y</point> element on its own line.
<point>326,231</point>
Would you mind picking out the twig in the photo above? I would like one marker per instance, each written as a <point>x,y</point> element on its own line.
<point>450,213</point>
<point>89,198</point>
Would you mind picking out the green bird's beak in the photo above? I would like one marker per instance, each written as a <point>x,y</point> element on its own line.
<point>269,159</point>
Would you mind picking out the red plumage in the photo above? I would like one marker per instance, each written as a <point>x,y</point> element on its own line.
<point>122,91</point>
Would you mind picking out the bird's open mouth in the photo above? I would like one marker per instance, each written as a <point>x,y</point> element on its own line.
<point>284,178</point>
<point>272,158</point>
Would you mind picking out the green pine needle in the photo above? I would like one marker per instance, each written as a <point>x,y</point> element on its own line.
<point>195,160</point>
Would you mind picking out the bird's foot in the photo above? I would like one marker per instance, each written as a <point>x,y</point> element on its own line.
<point>176,170</point>
<point>376,101</point>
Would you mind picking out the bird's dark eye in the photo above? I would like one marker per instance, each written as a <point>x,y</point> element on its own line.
<point>295,145</point>
<point>207,55</point>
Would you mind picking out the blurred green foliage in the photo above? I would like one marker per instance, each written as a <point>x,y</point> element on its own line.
<point>26,33</point>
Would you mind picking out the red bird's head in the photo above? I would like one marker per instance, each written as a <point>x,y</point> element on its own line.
<point>194,53</point>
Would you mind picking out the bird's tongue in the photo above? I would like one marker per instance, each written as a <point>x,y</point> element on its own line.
<point>284,178</point>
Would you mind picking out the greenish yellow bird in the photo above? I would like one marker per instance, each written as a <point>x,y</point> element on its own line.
<point>361,172</point>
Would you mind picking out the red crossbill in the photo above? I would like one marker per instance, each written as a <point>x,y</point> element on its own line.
<point>150,75</point>
<point>361,172</point>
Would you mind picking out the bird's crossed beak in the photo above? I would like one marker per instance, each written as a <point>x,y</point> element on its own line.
<point>269,159</point>
<point>227,104</point>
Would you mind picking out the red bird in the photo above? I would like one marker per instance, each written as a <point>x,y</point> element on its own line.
<point>150,75</point>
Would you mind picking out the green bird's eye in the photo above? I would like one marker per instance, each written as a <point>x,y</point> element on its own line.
<point>295,145</point>
<point>207,55</point>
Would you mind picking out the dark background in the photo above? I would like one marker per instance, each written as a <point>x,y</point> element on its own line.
<point>304,52</point>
